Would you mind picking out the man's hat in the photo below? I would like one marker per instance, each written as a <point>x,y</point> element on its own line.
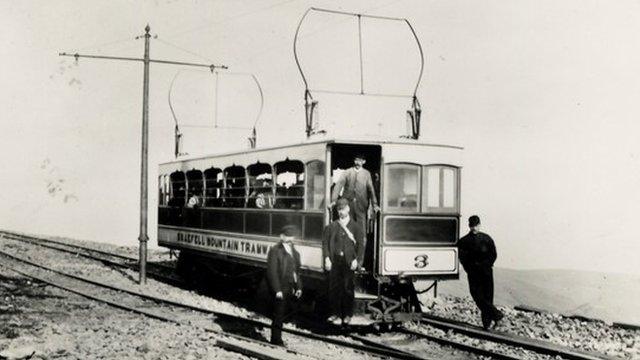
<point>474,221</point>
<point>342,203</point>
<point>359,155</point>
<point>289,231</point>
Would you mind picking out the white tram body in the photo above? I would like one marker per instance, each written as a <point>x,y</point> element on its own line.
<point>414,235</point>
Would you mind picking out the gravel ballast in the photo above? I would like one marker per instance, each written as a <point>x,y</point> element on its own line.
<point>582,335</point>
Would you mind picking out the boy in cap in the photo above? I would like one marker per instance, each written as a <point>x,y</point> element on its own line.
<point>285,287</point>
<point>343,253</point>
<point>477,253</point>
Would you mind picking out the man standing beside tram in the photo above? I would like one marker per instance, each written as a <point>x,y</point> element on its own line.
<point>477,253</point>
<point>283,280</point>
<point>343,253</point>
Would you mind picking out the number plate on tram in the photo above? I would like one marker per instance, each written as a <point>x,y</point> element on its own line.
<point>420,261</point>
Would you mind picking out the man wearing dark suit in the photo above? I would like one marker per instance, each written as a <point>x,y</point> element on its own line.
<point>477,253</point>
<point>357,187</point>
<point>283,279</point>
<point>343,253</point>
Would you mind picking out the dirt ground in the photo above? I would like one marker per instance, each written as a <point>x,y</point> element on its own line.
<point>41,322</point>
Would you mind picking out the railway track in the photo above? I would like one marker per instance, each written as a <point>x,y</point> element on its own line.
<point>538,346</point>
<point>149,308</point>
<point>477,341</point>
<point>158,271</point>
<point>405,346</point>
<point>229,321</point>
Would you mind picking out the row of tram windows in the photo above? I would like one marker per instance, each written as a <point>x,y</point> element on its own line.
<point>427,189</point>
<point>259,186</point>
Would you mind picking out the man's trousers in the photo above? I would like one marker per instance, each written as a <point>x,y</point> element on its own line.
<point>282,310</point>
<point>481,289</point>
<point>341,288</point>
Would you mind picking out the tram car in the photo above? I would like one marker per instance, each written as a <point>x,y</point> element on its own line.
<point>224,212</point>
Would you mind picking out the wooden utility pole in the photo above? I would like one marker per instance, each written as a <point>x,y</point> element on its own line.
<point>143,238</point>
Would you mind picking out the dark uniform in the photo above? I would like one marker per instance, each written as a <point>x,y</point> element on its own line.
<point>477,253</point>
<point>358,190</point>
<point>341,250</point>
<point>282,276</point>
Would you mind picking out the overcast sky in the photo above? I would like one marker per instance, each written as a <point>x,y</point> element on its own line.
<point>543,95</point>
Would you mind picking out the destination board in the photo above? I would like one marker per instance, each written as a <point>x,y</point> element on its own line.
<point>310,256</point>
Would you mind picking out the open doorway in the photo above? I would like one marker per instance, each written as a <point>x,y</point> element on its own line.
<point>342,158</point>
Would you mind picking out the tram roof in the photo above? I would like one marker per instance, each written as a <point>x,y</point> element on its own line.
<point>314,142</point>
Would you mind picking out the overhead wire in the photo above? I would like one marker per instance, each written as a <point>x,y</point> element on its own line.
<point>183,49</point>
<point>231,18</point>
<point>328,26</point>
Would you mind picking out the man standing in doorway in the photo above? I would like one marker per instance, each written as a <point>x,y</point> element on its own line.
<point>285,287</point>
<point>343,253</point>
<point>357,188</point>
<point>477,253</point>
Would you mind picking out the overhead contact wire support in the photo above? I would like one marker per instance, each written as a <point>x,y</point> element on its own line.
<point>310,104</point>
<point>143,238</point>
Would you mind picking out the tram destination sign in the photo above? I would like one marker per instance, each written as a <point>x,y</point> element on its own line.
<point>255,249</point>
<point>310,256</point>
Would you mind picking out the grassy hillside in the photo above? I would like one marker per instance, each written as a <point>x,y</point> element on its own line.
<point>610,297</point>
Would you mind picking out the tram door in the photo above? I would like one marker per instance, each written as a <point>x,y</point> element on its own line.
<point>342,158</point>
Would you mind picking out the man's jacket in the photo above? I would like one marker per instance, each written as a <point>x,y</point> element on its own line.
<point>357,185</point>
<point>281,268</point>
<point>476,251</point>
<point>335,241</point>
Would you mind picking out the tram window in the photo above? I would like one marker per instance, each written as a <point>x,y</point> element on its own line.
<point>433,187</point>
<point>161,190</point>
<point>195,183</point>
<point>448,188</point>
<point>234,190</point>
<point>440,189</point>
<point>289,184</point>
<point>167,189</point>
<point>178,189</point>
<point>402,189</point>
<point>214,185</point>
<point>315,185</point>
<point>260,186</point>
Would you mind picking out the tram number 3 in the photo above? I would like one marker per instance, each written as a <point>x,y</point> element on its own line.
<point>421,261</point>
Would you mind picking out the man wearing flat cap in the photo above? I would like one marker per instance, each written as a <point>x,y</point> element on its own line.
<point>283,279</point>
<point>343,253</point>
<point>357,188</point>
<point>477,253</point>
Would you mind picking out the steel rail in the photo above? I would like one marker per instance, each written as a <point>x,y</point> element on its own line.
<point>38,238</point>
<point>375,350</point>
<point>387,347</point>
<point>539,346</point>
<point>462,346</point>
<point>264,351</point>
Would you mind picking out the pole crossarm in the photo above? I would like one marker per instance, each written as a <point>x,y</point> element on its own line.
<point>144,154</point>
<point>208,66</point>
